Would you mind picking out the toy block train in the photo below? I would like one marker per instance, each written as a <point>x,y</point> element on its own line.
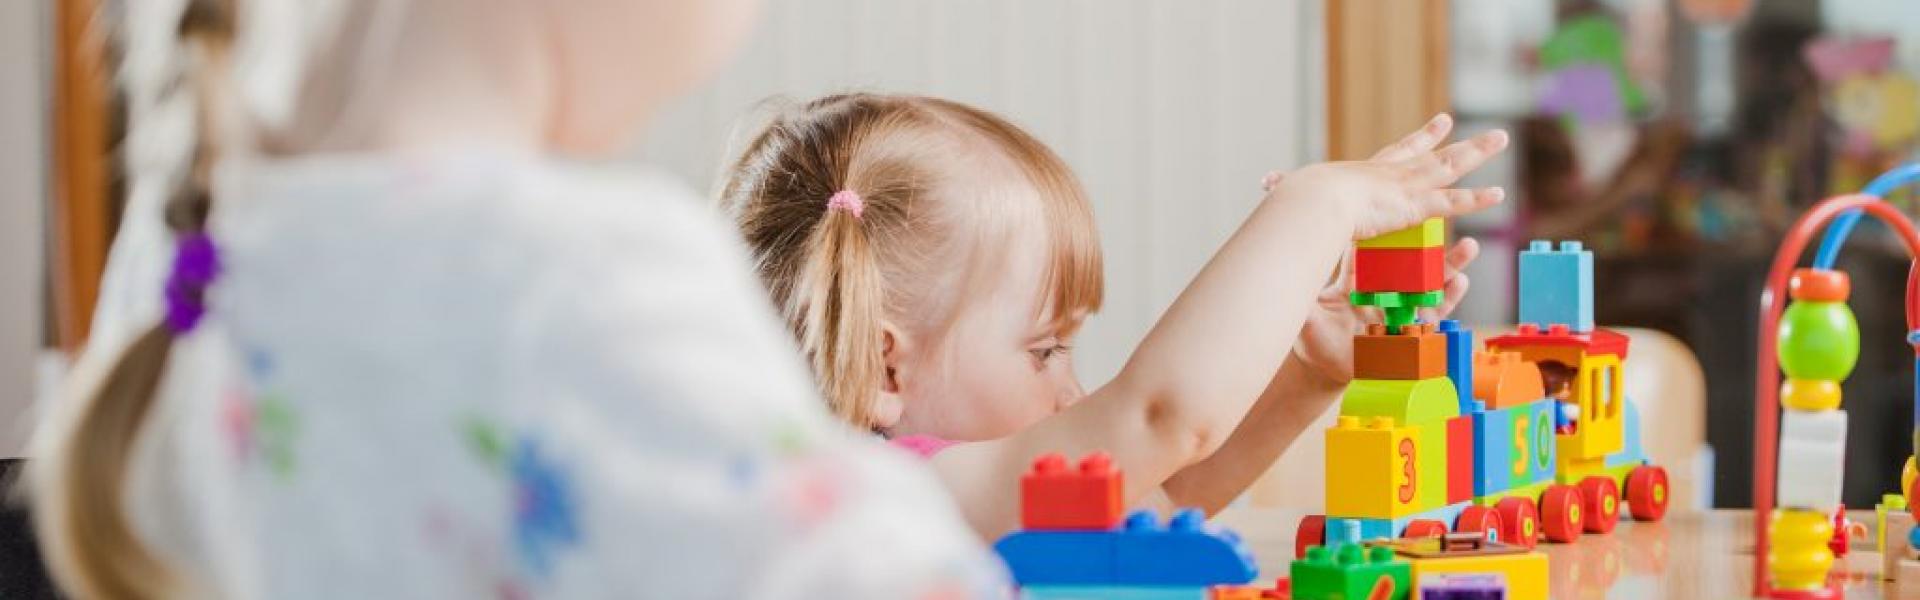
<point>1532,438</point>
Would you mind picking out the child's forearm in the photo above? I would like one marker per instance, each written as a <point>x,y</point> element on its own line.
<point>1296,396</point>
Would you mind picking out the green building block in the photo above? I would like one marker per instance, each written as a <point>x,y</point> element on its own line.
<point>1397,307</point>
<point>1351,574</point>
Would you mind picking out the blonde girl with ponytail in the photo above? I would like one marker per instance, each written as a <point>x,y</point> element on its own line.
<point>382,324</point>
<point>934,262</point>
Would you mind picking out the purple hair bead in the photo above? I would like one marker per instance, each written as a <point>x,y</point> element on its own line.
<point>196,262</point>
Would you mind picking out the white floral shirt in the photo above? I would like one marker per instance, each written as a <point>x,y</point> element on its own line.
<point>493,376</point>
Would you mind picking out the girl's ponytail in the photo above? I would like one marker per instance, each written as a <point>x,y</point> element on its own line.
<point>81,461</point>
<point>840,298</point>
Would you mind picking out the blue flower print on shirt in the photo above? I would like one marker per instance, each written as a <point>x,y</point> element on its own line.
<point>544,508</point>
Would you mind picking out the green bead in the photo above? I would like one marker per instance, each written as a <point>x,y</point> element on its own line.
<point>1818,340</point>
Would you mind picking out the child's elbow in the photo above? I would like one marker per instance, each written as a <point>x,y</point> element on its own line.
<point>1182,426</point>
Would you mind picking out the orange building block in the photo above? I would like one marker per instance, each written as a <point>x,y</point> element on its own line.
<point>1055,497</point>
<point>1417,352</point>
<point>1398,269</point>
<point>1503,379</point>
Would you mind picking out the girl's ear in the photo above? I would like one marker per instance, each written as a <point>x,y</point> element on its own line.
<point>888,406</point>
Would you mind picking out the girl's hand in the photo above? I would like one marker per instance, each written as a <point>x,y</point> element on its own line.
<point>1404,183</point>
<point>1326,340</point>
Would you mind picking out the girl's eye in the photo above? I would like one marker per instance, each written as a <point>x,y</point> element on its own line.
<point>1049,352</point>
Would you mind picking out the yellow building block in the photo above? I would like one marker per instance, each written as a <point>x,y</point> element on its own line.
<point>1379,471</point>
<point>1600,391</point>
<point>1429,233</point>
<point>1406,402</point>
<point>1526,573</point>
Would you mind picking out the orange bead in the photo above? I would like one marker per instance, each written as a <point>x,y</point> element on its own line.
<point>1819,285</point>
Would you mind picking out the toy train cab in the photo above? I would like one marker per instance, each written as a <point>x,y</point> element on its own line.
<point>1532,438</point>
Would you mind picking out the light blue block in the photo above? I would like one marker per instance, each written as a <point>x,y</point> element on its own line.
<point>1631,452</point>
<point>1344,530</point>
<point>1460,361</point>
<point>1492,450</point>
<point>1556,286</point>
<point>1542,446</point>
<point>1112,593</point>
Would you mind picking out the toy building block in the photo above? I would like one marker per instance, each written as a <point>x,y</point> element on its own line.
<point>1533,341</point>
<point>1186,551</point>
<point>1114,592</point>
<point>1514,447</point>
<point>1387,471</point>
<point>1459,360</point>
<point>1556,286</point>
<point>1406,402</point>
<point>1895,528</point>
<point>1812,459</point>
<point>1351,573</point>
<point>1463,586</point>
<point>1525,572</point>
<point>1417,352</point>
<point>1053,496</point>
<point>1431,233</point>
<point>1059,557</point>
<point>1503,379</point>
<point>1398,308</point>
<point>1459,459</point>
<point>1398,269</point>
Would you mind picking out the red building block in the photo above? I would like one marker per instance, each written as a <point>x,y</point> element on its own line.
<point>1417,352</point>
<point>1398,269</point>
<point>1459,459</point>
<point>1055,497</point>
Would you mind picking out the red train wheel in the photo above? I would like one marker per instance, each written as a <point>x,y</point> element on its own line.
<point>1423,528</point>
<point>1312,532</point>
<point>1601,507</point>
<point>1520,523</point>
<point>1560,513</point>
<point>1647,493</point>
<point>1479,519</point>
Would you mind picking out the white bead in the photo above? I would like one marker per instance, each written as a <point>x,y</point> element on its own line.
<point>1813,450</point>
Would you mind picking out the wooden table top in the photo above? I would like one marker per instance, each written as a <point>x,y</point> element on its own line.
<point>1687,555</point>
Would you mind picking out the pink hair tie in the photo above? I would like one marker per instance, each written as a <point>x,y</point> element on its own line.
<point>848,201</point>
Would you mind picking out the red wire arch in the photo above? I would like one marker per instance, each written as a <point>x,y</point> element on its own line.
<point>1766,420</point>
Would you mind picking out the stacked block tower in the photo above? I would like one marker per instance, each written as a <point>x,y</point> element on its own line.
<point>1402,415</point>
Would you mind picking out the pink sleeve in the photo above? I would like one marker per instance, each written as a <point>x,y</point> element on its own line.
<point>925,446</point>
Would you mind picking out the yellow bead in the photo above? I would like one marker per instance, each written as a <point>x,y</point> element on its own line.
<point>1812,395</point>
<point>1799,558</point>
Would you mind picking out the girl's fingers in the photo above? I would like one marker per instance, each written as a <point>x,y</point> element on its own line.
<point>1462,253</point>
<point>1456,290</point>
<point>1421,140</point>
<point>1456,160</point>
<point>1448,202</point>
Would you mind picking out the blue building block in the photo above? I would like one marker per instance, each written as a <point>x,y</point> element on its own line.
<point>1460,361</point>
<point>1488,475</point>
<point>1186,551</point>
<point>1556,286</point>
<point>1051,592</point>
<point>1059,557</point>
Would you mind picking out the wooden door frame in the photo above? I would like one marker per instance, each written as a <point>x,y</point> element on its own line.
<point>1388,66</point>
<point>81,218</point>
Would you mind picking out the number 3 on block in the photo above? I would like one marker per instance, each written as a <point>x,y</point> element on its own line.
<point>1407,468</point>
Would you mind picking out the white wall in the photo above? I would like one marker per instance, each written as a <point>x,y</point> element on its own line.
<point>23,164</point>
<point>1170,112</point>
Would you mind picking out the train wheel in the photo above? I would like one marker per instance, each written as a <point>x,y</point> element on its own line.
<point>1601,507</point>
<point>1312,532</point>
<point>1647,493</point>
<point>1560,513</point>
<point>1520,523</point>
<point>1481,520</point>
<point>1423,528</point>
